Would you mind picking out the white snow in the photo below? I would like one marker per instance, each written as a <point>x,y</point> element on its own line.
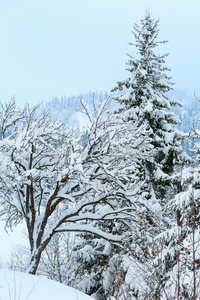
<point>11,240</point>
<point>21,286</point>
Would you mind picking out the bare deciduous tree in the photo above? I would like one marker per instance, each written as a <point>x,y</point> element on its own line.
<point>45,171</point>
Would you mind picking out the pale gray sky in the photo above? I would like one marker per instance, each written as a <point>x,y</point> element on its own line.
<point>62,47</point>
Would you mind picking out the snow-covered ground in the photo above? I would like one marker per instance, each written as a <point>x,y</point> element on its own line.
<point>21,286</point>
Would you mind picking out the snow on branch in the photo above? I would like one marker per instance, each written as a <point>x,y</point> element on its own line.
<point>55,182</point>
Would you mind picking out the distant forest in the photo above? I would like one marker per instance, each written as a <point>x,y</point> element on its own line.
<point>65,108</point>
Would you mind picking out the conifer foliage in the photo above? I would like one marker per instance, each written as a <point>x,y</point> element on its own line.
<point>144,94</point>
<point>145,101</point>
<point>181,253</point>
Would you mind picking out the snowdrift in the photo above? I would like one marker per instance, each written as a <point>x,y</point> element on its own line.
<point>21,286</point>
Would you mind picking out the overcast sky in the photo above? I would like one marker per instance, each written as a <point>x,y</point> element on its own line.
<point>63,47</point>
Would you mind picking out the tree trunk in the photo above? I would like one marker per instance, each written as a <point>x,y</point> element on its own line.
<point>34,262</point>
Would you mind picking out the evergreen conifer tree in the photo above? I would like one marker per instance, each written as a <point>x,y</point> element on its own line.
<point>144,100</point>
<point>145,97</point>
<point>181,251</point>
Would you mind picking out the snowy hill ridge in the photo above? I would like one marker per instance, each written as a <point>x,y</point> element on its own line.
<point>21,286</point>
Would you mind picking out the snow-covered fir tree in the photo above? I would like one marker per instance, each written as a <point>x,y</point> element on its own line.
<point>180,256</point>
<point>144,100</point>
<point>181,252</point>
<point>147,101</point>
